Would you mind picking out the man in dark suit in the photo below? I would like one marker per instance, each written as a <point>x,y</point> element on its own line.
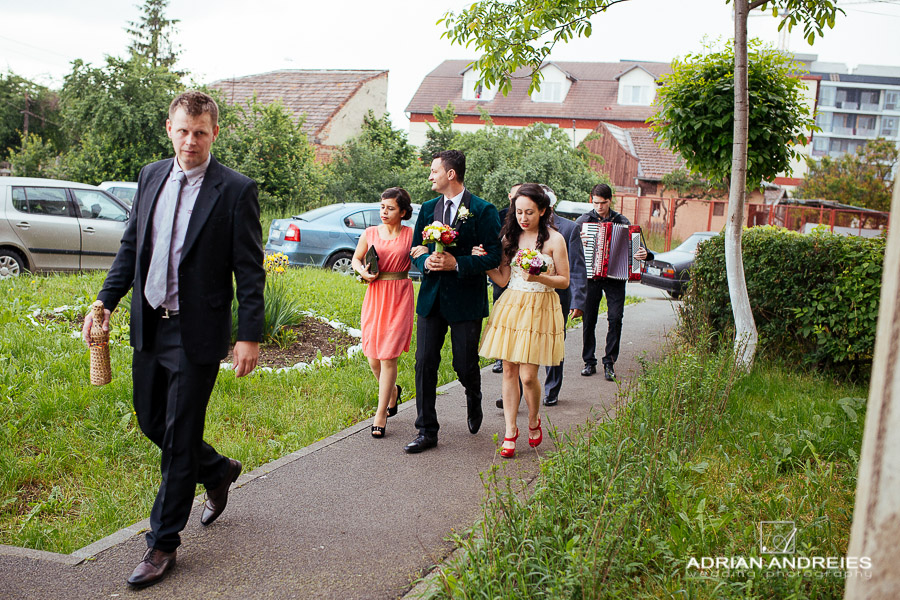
<point>453,293</point>
<point>194,224</point>
<point>601,198</point>
<point>572,298</point>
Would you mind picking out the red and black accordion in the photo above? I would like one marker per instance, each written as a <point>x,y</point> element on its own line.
<point>609,250</point>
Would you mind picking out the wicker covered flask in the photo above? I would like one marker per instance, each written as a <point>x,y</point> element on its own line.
<point>101,372</point>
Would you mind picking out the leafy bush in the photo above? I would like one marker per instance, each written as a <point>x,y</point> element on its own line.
<point>813,296</point>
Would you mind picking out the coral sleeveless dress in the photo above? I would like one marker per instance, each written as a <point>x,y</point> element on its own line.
<point>387,310</point>
<point>526,324</point>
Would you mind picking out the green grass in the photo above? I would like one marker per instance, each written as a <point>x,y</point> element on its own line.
<point>75,467</point>
<point>688,468</point>
<point>657,241</point>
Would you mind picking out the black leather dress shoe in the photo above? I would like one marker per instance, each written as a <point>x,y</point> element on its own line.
<point>589,370</point>
<point>217,498</point>
<point>474,419</point>
<point>609,373</point>
<point>152,568</point>
<point>420,444</point>
<point>498,367</point>
<point>548,401</point>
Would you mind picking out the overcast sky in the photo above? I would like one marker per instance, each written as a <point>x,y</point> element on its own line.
<point>232,38</point>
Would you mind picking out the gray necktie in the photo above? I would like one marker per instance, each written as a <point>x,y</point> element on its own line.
<point>447,213</point>
<point>157,276</point>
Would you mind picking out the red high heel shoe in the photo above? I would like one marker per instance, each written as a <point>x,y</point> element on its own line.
<point>535,442</point>
<point>509,452</point>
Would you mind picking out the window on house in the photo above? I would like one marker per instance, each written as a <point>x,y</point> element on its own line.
<point>820,146</point>
<point>472,90</point>
<point>889,126</point>
<point>551,91</point>
<point>718,209</point>
<point>865,125</point>
<point>825,120</point>
<point>891,100</point>
<point>637,94</point>
<point>826,96</point>
<point>655,208</point>
<point>869,99</point>
<point>847,99</point>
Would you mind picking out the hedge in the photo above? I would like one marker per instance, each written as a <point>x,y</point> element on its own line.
<point>814,296</point>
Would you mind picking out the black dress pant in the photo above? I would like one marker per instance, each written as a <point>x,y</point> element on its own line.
<point>464,338</point>
<point>553,382</point>
<point>170,398</point>
<point>615,306</point>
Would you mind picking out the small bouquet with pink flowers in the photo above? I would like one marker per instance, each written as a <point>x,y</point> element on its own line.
<point>442,236</point>
<point>530,261</point>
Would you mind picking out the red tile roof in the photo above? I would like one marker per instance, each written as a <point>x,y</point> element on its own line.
<point>318,94</point>
<point>593,95</point>
<point>655,161</point>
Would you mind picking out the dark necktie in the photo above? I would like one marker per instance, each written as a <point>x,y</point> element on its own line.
<point>448,213</point>
<point>158,274</point>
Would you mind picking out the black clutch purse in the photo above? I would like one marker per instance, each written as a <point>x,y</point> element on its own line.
<point>371,260</point>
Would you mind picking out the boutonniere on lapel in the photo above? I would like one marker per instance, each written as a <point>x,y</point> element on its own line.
<point>463,213</point>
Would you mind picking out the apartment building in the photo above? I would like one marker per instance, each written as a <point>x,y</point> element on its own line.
<point>854,106</point>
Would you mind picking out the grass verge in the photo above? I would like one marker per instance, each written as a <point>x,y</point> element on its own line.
<point>74,466</point>
<point>688,468</point>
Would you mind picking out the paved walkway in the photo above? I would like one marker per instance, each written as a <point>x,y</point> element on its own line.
<point>350,516</point>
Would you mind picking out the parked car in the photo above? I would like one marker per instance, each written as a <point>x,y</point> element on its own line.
<point>671,270</point>
<point>327,236</point>
<point>51,225</point>
<point>123,190</point>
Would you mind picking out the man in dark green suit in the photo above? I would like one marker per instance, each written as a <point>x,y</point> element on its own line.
<point>453,293</point>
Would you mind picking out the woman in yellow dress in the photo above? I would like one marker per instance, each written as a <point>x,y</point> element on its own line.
<point>525,328</point>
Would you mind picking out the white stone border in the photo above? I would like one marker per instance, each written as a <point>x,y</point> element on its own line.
<point>324,361</point>
<point>32,316</point>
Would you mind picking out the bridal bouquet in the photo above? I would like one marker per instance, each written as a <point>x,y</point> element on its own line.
<point>442,236</point>
<point>530,261</point>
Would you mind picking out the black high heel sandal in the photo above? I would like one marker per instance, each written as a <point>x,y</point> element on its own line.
<point>378,432</point>
<point>392,410</point>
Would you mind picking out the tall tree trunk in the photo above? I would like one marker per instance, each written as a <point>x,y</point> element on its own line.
<point>745,328</point>
<point>876,514</point>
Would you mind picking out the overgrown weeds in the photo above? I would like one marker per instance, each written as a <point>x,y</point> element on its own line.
<point>689,466</point>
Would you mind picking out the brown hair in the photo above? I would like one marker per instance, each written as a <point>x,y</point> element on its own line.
<point>402,197</point>
<point>511,229</point>
<point>195,104</point>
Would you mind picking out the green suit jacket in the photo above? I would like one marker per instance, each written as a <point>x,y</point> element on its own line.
<point>462,294</point>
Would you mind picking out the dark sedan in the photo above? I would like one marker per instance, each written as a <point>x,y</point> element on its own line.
<point>671,271</point>
<point>326,236</point>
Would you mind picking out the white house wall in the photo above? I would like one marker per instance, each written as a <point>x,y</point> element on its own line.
<point>347,123</point>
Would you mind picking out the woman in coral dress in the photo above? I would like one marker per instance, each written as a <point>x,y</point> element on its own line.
<point>525,328</point>
<point>387,310</point>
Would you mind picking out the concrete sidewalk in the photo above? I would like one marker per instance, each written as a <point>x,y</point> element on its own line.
<point>349,516</point>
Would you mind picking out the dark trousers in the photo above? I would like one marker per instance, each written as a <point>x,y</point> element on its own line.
<point>464,337</point>
<point>553,382</point>
<point>615,306</point>
<point>170,398</point>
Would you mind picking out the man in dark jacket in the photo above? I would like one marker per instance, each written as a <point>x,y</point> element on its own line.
<point>194,229</point>
<point>601,198</point>
<point>453,294</point>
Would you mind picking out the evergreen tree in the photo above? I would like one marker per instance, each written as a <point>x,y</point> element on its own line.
<point>153,35</point>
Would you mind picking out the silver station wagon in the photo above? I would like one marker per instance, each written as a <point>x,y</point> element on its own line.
<point>52,225</point>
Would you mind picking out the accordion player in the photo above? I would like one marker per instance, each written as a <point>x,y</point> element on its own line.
<point>609,250</point>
